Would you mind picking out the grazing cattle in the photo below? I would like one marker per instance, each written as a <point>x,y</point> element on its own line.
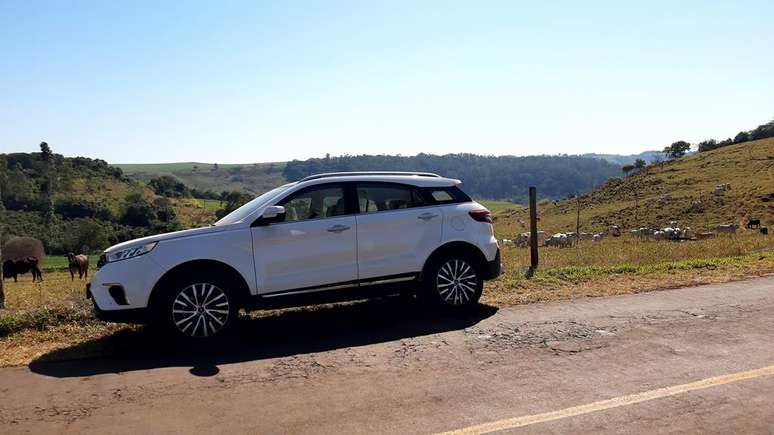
<point>523,239</point>
<point>764,231</point>
<point>753,223</point>
<point>79,264</point>
<point>643,232</point>
<point>559,240</point>
<point>615,231</point>
<point>586,236</point>
<point>727,228</point>
<point>598,237</point>
<point>686,233</point>
<point>14,268</point>
<point>705,236</point>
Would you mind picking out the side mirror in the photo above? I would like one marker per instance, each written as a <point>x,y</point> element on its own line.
<point>272,211</point>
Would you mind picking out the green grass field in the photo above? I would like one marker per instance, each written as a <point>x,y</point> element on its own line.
<point>59,262</point>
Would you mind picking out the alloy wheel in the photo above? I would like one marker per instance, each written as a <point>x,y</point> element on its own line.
<point>456,282</point>
<point>200,310</point>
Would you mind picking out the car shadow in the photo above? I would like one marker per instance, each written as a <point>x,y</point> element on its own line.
<point>277,334</point>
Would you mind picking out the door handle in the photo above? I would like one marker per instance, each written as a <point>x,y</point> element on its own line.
<point>427,216</point>
<point>338,228</point>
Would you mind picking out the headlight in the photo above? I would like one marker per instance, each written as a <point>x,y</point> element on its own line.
<point>130,252</point>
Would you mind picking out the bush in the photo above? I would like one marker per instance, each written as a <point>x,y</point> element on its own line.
<point>74,209</point>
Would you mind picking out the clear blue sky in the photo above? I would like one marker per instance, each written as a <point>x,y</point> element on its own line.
<point>247,81</point>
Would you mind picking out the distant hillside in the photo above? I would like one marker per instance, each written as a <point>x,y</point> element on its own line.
<point>253,178</point>
<point>505,177</point>
<point>620,160</point>
<point>680,190</point>
<point>84,205</point>
<point>491,177</point>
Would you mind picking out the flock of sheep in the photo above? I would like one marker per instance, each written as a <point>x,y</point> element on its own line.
<point>671,232</point>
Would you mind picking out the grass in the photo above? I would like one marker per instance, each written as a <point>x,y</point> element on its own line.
<point>497,207</point>
<point>666,192</point>
<point>43,317</point>
<point>60,262</point>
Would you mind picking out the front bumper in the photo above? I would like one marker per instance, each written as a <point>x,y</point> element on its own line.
<point>131,315</point>
<point>493,268</point>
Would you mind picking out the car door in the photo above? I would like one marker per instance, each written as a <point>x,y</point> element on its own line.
<point>312,247</point>
<point>396,230</point>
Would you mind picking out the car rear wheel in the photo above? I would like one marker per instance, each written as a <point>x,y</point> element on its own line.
<point>454,282</point>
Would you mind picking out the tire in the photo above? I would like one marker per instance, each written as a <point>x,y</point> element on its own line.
<point>198,308</point>
<point>453,282</point>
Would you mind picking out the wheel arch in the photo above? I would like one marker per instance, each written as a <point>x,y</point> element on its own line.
<point>455,247</point>
<point>188,268</point>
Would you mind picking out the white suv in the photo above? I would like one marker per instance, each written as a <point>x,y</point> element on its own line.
<point>325,238</point>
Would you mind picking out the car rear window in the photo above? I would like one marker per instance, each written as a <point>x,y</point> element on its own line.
<point>446,195</point>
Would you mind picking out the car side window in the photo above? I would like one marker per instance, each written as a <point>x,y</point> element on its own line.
<point>315,203</point>
<point>383,197</point>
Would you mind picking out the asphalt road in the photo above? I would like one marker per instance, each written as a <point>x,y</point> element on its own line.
<point>679,361</point>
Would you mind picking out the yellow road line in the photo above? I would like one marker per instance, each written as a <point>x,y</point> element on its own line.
<point>511,423</point>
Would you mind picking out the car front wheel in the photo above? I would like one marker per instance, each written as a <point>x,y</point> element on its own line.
<point>200,309</point>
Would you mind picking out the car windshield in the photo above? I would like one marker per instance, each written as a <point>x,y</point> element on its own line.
<point>245,210</point>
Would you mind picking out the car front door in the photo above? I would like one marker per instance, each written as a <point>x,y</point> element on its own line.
<point>312,247</point>
<point>396,230</point>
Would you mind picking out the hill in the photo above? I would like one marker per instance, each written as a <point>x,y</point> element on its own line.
<point>503,177</point>
<point>252,178</point>
<point>618,159</point>
<point>84,205</point>
<point>682,190</point>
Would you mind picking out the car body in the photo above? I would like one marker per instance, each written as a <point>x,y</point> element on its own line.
<point>324,238</point>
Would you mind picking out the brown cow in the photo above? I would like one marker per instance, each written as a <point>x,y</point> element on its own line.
<point>78,263</point>
<point>13,268</point>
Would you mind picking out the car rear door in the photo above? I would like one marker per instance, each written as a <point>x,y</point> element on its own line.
<point>313,247</point>
<point>396,230</point>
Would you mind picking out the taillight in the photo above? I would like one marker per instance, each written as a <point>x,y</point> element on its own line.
<point>481,215</point>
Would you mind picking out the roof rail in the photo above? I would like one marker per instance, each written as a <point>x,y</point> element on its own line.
<point>344,174</point>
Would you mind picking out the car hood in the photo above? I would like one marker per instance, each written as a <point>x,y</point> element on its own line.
<point>166,236</point>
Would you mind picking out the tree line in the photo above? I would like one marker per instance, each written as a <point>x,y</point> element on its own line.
<point>491,177</point>
<point>681,147</point>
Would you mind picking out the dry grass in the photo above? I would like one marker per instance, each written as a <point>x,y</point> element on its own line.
<point>42,317</point>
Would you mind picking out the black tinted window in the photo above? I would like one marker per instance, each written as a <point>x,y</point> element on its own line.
<point>315,203</point>
<point>382,197</point>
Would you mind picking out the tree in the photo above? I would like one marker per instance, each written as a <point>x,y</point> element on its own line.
<point>639,164</point>
<point>85,236</point>
<point>138,212</point>
<point>234,200</point>
<point>677,149</point>
<point>627,168</point>
<point>45,151</point>
<point>707,145</point>
<point>743,136</point>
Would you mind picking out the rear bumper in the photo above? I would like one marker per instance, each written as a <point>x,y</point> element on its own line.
<point>493,268</point>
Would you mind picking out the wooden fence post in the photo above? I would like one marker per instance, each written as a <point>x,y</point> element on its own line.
<point>533,235</point>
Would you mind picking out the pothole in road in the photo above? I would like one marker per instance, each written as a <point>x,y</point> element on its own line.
<point>559,336</point>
